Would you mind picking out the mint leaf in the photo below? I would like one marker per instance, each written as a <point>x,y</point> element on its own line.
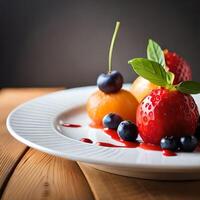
<point>151,71</point>
<point>155,53</point>
<point>189,87</point>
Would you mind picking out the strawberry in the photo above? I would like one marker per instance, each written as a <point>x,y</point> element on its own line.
<point>169,60</point>
<point>169,110</point>
<point>166,113</point>
<point>178,66</point>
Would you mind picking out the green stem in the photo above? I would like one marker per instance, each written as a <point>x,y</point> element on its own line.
<point>111,46</point>
<point>171,87</point>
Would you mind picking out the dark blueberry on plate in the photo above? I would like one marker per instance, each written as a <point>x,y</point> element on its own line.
<point>127,131</point>
<point>110,82</point>
<point>169,143</point>
<point>112,121</point>
<point>188,143</point>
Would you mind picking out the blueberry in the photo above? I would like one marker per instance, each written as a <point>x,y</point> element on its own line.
<point>112,121</point>
<point>188,143</point>
<point>169,143</point>
<point>110,82</point>
<point>127,130</point>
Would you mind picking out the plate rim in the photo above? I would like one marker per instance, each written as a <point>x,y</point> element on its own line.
<point>88,160</point>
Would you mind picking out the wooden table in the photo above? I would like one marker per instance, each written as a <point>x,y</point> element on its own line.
<point>27,174</point>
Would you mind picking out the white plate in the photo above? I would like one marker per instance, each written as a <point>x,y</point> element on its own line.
<point>37,123</point>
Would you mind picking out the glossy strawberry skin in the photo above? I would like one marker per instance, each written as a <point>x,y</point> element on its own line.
<point>178,66</point>
<point>166,113</point>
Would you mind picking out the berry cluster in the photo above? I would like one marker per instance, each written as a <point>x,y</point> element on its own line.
<point>185,143</point>
<point>126,130</point>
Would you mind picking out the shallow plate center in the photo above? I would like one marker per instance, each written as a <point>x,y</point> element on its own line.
<point>79,116</point>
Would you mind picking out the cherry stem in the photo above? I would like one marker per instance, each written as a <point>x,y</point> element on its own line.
<point>112,45</point>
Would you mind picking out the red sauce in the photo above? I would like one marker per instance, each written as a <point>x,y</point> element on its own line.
<point>86,140</point>
<point>168,153</point>
<point>106,144</point>
<point>114,135</point>
<point>72,125</point>
<point>150,147</point>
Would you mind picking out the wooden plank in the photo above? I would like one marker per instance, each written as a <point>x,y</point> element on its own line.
<point>109,186</point>
<point>11,150</point>
<point>40,176</point>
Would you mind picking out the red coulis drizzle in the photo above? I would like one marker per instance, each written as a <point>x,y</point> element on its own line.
<point>168,153</point>
<point>71,125</point>
<point>113,134</point>
<point>86,140</point>
<point>106,144</point>
<point>150,147</point>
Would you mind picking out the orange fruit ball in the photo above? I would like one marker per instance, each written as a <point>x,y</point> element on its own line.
<point>122,103</point>
<point>141,88</point>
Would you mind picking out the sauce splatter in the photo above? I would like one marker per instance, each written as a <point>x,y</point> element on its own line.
<point>86,140</point>
<point>150,147</point>
<point>168,153</point>
<point>71,125</point>
<point>125,144</point>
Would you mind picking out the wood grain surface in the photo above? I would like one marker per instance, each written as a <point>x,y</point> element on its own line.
<point>11,151</point>
<point>109,186</point>
<point>40,176</point>
<point>27,174</point>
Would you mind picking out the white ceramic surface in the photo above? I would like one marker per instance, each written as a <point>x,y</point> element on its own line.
<point>37,123</point>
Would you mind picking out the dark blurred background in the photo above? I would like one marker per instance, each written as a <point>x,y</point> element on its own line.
<point>65,43</point>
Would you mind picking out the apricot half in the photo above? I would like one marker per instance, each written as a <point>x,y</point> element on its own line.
<point>122,103</point>
<point>141,88</point>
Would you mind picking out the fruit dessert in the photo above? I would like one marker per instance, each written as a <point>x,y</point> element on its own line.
<point>168,116</point>
<point>110,98</point>
<point>170,61</point>
<point>165,116</point>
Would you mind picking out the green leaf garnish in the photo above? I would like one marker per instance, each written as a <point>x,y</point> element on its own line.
<point>189,87</point>
<point>152,71</point>
<point>155,53</point>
